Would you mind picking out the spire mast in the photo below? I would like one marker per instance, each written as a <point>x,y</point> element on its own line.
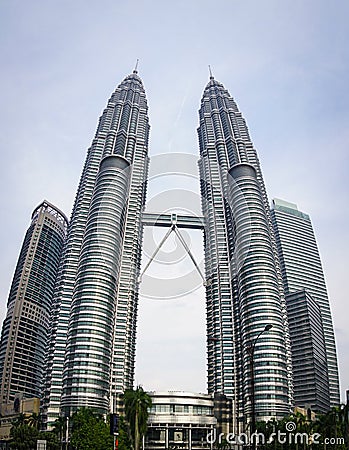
<point>210,70</point>
<point>136,67</point>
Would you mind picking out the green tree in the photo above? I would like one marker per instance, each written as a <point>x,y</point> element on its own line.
<point>23,437</point>
<point>89,431</point>
<point>59,428</point>
<point>51,440</point>
<point>20,420</point>
<point>333,425</point>
<point>33,420</point>
<point>137,403</point>
<point>125,440</point>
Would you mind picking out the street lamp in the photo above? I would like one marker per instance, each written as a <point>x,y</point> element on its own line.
<point>251,350</point>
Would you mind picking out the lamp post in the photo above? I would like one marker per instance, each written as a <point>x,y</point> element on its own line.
<point>251,350</point>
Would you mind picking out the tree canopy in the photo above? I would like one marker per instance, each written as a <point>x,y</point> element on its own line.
<point>331,430</point>
<point>89,431</point>
<point>23,437</point>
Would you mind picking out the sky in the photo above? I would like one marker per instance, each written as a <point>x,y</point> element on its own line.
<point>286,63</point>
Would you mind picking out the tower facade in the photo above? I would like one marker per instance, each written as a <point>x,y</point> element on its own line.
<point>96,296</point>
<point>243,287</point>
<point>302,270</point>
<point>25,328</point>
<point>95,302</point>
<point>309,364</point>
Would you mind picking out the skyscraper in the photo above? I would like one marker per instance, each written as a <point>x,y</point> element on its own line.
<point>309,364</point>
<point>302,269</point>
<point>24,333</point>
<point>244,288</point>
<point>96,296</point>
<point>95,301</point>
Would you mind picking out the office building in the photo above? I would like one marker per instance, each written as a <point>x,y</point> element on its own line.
<point>309,364</point>
<point>302,270</point>
<point>25,328</point>
<point>92,346</point>
<point>181,420</point>
<point>243,287</point>
<point>21,407</point>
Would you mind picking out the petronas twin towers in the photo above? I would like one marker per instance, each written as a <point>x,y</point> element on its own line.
<point>91,354</point>
<point>243,292</point>
<point>95,305</point>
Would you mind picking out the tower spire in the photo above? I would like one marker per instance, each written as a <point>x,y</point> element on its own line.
<point>136,67</point>
<point>210,70</point>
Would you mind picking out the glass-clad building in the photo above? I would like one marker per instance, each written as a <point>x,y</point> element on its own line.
<point>309,364</point>
<point>302,270</point>
<point>25,328</point>
<point>92,345</point>
<point>243,281</point>
<point>93,335</point>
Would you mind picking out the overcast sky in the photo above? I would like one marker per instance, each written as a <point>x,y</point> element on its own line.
<point>285,63</point>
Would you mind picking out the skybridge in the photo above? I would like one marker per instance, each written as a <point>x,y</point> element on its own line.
<point>168,220</point>
<point>173,222</point>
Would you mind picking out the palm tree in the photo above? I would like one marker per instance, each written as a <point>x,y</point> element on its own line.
<point>59,428</point>
<point>137,403</point>
<point>33,420</point>
<point>20,420</point>
<point>333,424</point>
